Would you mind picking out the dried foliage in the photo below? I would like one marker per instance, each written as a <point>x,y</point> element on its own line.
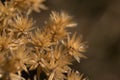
<point>24,48</point>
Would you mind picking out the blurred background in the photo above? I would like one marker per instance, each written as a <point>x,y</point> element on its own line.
<point>99,24</point>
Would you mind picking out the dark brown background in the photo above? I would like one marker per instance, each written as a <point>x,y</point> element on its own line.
<point>99,23</point>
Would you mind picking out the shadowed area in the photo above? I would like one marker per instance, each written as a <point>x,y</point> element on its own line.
<point>99,24</point>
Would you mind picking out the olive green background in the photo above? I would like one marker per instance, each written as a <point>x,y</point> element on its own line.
<point>99,24</point>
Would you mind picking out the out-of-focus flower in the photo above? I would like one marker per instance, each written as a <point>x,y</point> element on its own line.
<point>2,62</point>
<point>5,42</point>
<point>28,5</point>
<point>6,10</point>
<point>12,63</point>
<point>36,5</point>
<point>15,77</point>
<point>75,76</point>
<point>21,56</point>
<point>9,66</point>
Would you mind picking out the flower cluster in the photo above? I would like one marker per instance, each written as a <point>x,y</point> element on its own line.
<point>25,48</point>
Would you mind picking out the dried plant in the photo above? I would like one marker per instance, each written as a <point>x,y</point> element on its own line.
<point>25,48</point>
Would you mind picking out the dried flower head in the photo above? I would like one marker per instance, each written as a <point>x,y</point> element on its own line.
<point>40,39</point>
<point>36,60</point>
<point>61,20</point>
<point>57,24</point>
<point>75,46</point>
<point>21,25</point>
<point>56,66</point>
